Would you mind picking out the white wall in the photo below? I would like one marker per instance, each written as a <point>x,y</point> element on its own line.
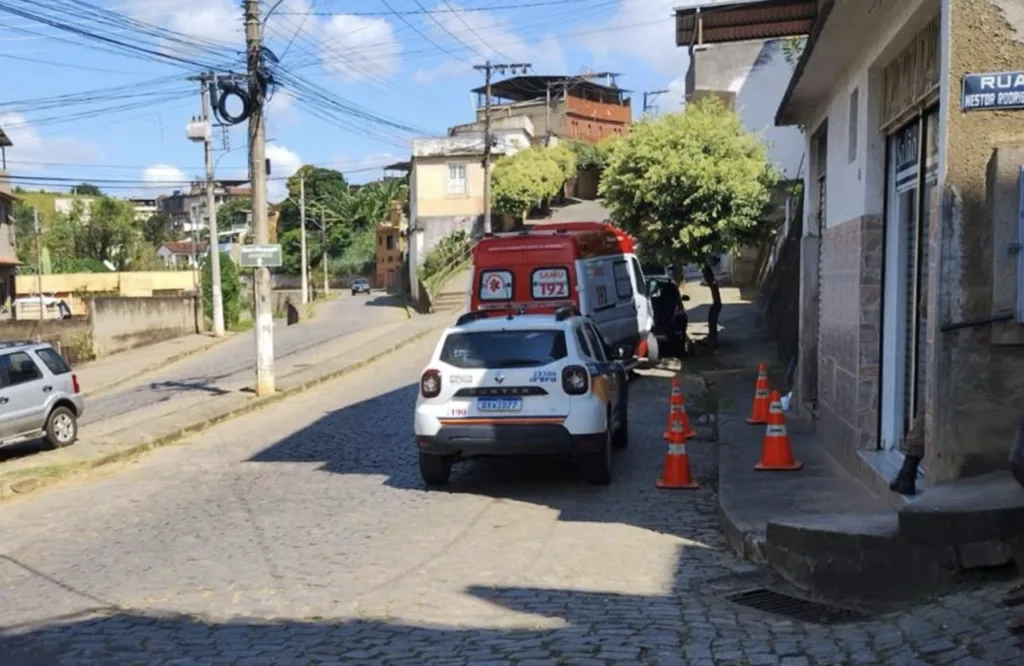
<point>757,100</point>
<point>855,188</point>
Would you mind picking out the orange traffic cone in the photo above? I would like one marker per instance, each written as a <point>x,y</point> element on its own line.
<point>777,452</point>
<point>676,471</point>
<point>759,414</point>
<point>677,405</point>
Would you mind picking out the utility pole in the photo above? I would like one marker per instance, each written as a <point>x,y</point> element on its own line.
<point>302,236</point>
<point>39,260</point>
<point>323,227</point>
<point>258,178</point>
<point>653,95</point>
<point>211,211</point>
<point>487,68</point>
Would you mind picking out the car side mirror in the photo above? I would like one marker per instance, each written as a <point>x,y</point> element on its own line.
<point>685,297</point>
<point>620,352</point>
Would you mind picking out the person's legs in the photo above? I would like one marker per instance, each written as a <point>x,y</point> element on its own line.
<point>913,449</point>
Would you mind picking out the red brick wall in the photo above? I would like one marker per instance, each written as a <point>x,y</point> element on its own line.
<point>594,121</point>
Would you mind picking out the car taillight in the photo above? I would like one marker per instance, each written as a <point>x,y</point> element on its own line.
<point>430,384</point>
<point>74,383</point>
<point>575,380</point>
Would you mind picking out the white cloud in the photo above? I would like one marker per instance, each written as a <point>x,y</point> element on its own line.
<point>283,164</point>
<point>489,37</point>
<point>281,108</point>
<point>650,37</point>
<point>164,178</point>
<point>31,146</point>
<point>360,47</point>
<point>217,21</point>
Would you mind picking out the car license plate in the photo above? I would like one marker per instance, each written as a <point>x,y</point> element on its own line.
<point>499,404</point>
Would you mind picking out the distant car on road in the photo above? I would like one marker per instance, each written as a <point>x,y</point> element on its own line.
<point>360,286</point>
<point>522,385</point>
<point>39,395</point>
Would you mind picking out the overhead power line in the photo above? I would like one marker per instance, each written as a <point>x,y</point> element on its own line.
<point>423,10</point>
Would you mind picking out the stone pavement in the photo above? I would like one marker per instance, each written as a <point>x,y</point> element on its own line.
<point>301,534</point>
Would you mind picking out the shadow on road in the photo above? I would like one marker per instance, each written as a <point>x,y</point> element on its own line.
<point>631,498</point>
<point>23,449</point>
<point>386,301</point>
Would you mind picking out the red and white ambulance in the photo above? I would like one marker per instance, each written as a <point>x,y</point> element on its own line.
<point>592,265</point>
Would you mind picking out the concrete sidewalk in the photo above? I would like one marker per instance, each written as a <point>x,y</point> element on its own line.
<point>120,437</point>
<point>107,373</point>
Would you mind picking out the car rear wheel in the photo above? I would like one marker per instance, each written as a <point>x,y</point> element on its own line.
<point>61,428</point>
<point>435,470</point>
<point>597,466</point>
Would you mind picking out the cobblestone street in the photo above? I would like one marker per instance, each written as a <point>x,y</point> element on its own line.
<point>302,535</point>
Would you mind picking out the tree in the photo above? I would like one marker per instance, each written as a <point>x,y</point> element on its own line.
<point>690,185</point>
<point>231,290</point>
<point>24,232</point>
<point>86,190</point>
<point>325,188</point>
<point>109,234</point>
<point>525,179</point>
<point>157,230</point>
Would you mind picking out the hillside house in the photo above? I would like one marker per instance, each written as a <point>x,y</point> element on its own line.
<point>568,107</point>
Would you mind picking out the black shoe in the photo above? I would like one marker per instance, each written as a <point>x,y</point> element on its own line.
<point>906,479</point>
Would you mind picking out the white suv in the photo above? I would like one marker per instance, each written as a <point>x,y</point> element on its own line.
<point>522,385</point>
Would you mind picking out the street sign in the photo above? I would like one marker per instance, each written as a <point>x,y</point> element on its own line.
<point>992,91</point>
<point>259,256</point>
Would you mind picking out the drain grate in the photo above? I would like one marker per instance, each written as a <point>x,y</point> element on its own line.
<point>795,608</point>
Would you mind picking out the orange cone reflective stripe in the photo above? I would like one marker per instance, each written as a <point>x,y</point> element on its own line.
<point>777,450</point>
<point>762,390</point>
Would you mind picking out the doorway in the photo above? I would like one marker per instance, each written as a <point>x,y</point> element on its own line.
<point>912,195</point>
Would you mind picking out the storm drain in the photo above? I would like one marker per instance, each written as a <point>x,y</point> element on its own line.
<point>770,601</point>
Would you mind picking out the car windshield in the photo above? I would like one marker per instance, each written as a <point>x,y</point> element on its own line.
<point>361,282</point>
<point>503,349</point>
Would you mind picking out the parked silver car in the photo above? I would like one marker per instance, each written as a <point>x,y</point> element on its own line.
<point>39,395</point>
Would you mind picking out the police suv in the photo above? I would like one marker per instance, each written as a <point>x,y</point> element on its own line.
<point>522,384</point>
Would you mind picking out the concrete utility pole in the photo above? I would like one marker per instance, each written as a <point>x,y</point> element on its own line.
<point>211,210</point>
<point>302,236</point>
<point>258,178</point>
<point>653,95</point>
<point>323,227</point>
<point>487,68</point>
<point>39,261</point>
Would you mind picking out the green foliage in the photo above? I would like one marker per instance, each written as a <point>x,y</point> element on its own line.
<point>451,250</point>
<point>527,178</point>
<point>590,155</point>
<point>359,257</point>
<point>793,48</point>
<point>690,184</point>
<point>158,230</point>
<point>86,190</point>
<point>351,219</point>
<point>230,286</point>
<point>564,156</point>
<point>233,212</point>
<point>24,232</point>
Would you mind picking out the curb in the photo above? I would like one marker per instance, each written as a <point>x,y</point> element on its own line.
<point>27,484</point>
<point>170,360</point>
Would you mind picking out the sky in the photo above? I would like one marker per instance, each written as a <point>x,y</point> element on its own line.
<point>360,78</point>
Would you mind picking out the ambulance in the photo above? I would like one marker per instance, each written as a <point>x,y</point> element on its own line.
<point>590,265</point>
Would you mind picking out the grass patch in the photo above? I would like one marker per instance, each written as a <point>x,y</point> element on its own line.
<point>241,326</point>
